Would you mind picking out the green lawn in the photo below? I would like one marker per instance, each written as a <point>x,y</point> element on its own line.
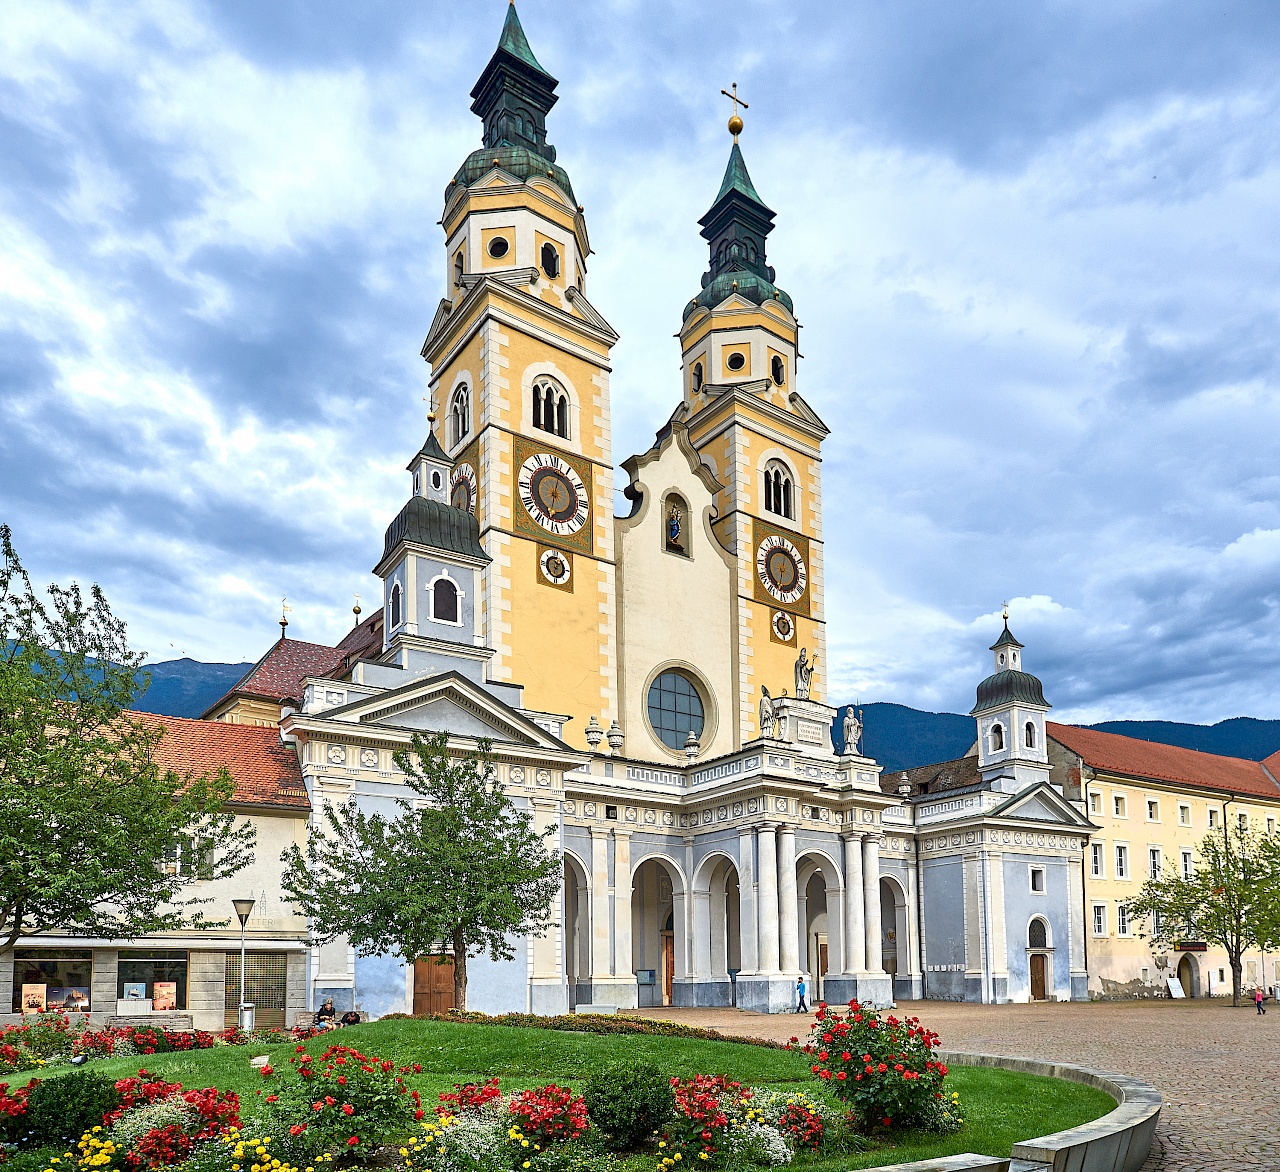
<point>1000,1107</point>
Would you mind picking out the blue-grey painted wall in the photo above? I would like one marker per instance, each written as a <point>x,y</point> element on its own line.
<point>1020,905</point>
<point>943,894</point>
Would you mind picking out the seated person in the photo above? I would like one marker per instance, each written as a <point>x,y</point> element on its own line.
<point>325,1015</point>
<point>350,1018</point>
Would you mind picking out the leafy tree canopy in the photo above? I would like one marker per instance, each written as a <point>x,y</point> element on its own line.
<point>90,826</point>
<point>1231,898</point>
<point>460,867</point>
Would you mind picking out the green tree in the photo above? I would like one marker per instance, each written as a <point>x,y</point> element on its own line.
<point>88,822</point>
<point>460,868</point>
<point>1231,899</point>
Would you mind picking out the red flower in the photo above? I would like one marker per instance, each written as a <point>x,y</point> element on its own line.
<point>351,1143</point>
<point>297,1129</point>
<point>267,1071</point>
<point>348,1109</point>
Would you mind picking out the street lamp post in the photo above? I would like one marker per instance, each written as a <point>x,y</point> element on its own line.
<point>244,907</point>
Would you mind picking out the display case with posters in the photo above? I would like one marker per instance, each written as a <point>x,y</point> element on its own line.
<point>160,974</point>
<point>55,969</point>
<point>74,1000</point>
<point>165,996</point>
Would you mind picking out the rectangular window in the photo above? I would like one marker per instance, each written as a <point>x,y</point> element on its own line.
<point>1213,817</point>
<point>1154,864</point>
<point>1122,862</point>
<point>1251,972</point>
<point>156,976</point>
<point>52,978</point>
<point>1117,805</point>
<point>1096,855</point>
<point>1037,880</point>
<point>1146,974</point>
<point>1186,865</point>
<point>1099,919</point>
<point>1157,922</point>
<point>1222,975</point>
<point>1153,811</point>
<point>1122,920</point>
<point>1271,826</point>
<point>1095,803</point>
<point>1184,815</point>
<point>1242,820</point>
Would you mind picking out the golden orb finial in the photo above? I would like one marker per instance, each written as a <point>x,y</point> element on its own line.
<point>735,122</point>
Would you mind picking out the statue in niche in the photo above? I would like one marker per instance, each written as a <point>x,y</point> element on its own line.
<point>804,673</point>
<point>852,729</point>
<point>675,527</point>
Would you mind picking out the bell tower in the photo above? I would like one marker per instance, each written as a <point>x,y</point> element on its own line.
<point>520,381</point>
<point>740,343</point>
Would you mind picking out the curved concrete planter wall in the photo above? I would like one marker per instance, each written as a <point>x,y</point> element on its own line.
<point>1118,1142</point>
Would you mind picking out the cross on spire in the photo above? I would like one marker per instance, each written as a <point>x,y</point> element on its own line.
<point>735,122</point>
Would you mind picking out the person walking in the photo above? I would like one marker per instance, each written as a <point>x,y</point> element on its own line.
<point>801,1005</point>
<point>1260,1000</point>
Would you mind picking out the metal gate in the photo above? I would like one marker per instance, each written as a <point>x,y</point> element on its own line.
<point>264,987</point>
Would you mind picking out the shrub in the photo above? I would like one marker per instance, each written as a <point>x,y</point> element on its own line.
<point>13,1109</point>
<point>885,1069</point>
<point>64,1108</point>
<point>629,1102</point>
<point>173,1112</point>
<point>47,1036</point>
<point>344,1101</point>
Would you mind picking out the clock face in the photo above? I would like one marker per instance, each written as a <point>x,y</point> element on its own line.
<point>553,494</point>
<point>462,488</point>
<point>555,566</point>
<point>781,569</point>
<point>784,626</point>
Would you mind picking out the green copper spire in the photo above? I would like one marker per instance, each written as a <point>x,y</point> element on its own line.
<point>736,227</point>
<point>514,42</point>
<point>737,178</point>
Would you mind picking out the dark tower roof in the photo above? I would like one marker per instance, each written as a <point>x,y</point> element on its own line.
<point>428,522</point>
<point>1009,687</point>
<point>1006,639</point>
<point>735,227</point>
<point>432,451</point>
<point>513,97</point>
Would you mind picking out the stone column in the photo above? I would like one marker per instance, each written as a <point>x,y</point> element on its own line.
<point>747,900</point>
<point>871,889</point>
<point>855,931</point>
<point>622,958</point>
<point>601,967</point>
<point>701,934</point>
<point>788,909</point>
<point>768,899</point>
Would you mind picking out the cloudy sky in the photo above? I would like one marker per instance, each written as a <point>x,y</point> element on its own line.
<point>1033,247</point>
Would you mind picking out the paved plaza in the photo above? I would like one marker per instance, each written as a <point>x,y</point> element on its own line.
<point>1215,1066</point>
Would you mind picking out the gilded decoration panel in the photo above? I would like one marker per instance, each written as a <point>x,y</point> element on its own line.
<point>554,490</point>
<point>781,571</point>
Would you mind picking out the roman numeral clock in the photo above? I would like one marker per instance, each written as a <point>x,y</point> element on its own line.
<point>555,509</point>
<point>781,578</point>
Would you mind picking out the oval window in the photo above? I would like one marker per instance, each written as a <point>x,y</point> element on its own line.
<point>779,370</point>
<point>736,361</point>
<point>498,247</point>
<point>675,709</point>
<point>550,261</point>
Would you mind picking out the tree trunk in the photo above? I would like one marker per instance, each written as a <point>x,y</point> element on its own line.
<point>1236,968</point>
<point>459,971</point>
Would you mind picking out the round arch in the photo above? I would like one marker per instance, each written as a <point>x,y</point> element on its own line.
<point>538,371</point>
<point>895,928</point>
<point>659,892</point>
<point>577,928</point>
<point>1039,932</point>
<point>820,916</point>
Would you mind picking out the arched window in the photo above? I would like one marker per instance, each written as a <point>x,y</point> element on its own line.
<point>457,269</point>
<point>459,415</point>
<point>675,525</point>
<point>779,370</point>
<point>778,491</point>
<point>1037,934</point>
<point>675,709</point>
<point>394,621</point>
<point>550,261</point>
<point>1029,735</point>
<point>697,376</point>
<point>444,601</point>
<point>997,738</point>
<point>551,408</point>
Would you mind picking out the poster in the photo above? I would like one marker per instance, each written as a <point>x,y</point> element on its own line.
<point>165,995</point>
<point>33,998</point>
<point>74,999</point>
<point>135,990</point>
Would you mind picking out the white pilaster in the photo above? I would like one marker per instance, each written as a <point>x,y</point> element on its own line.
<point>768,901</point>
<point>747,900</point>
<point>788,904</point>
<point>601,959</point>
<point>622,958</point>
<point>871,898</point>
<point>855,931</point>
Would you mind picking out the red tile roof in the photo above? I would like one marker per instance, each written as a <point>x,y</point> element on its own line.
<point>1273,764</point>
<point>1137,758</point>
<point>265,770</point>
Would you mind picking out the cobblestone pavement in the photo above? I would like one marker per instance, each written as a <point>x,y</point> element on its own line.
<point>1216,1066</point>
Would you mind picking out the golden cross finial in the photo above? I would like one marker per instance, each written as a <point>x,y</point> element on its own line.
<point>1006,610</point>
<point>735,123</point>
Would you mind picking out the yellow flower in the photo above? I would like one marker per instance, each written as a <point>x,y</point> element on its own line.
<point>524,1143</point>
<point>662,1143</point>
<point>526,1164</point>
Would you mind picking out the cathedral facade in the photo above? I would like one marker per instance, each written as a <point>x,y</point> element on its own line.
<point>722,834</point>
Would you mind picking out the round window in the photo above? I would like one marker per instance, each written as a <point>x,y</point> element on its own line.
<point>498,247</point>
<point>675,709</point>
<point>736,361</point>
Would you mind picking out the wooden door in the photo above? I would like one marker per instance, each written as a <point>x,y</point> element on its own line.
<point>668,965</point>
<point>1037,977</point>
<point>432,985</point>
<point>822,966</point>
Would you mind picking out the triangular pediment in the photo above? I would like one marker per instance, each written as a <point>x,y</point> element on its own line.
<point>448,703</point>
<point>1041,803</point>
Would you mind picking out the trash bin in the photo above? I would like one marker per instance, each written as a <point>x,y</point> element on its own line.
<point>246,1018</point>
